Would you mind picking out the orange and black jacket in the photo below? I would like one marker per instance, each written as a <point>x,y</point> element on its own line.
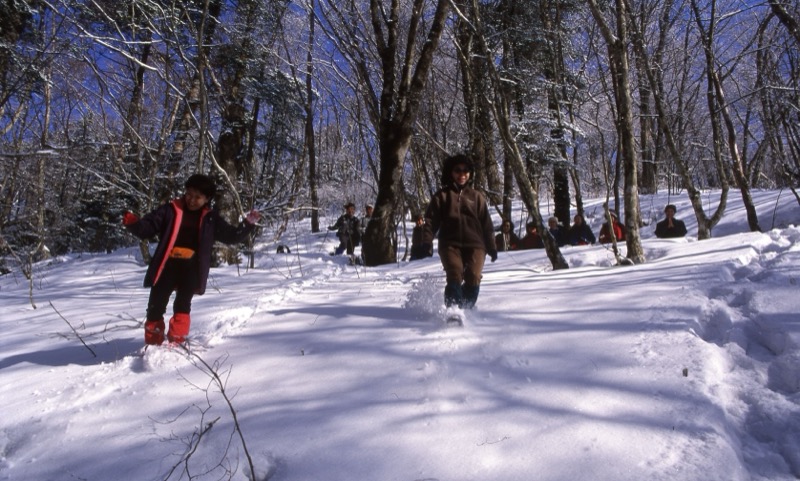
<point>165,222</point>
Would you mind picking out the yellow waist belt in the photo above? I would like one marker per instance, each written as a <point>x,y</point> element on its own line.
<point>181,253</point>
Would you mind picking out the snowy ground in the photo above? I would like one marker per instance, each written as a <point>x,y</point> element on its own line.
<point>686,367</point>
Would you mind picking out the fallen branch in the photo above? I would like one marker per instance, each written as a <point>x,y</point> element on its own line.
<point>211,371</point>
<point>73,329</point>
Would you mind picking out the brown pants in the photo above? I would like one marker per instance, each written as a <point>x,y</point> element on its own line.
<point>463,264</point>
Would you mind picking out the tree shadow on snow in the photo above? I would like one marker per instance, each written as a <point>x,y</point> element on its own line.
<point>76,353</point>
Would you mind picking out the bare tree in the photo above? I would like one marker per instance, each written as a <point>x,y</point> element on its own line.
<point>719,105</point>
<point>616,41</point>
<point>501,102</point>
<point>781,10</point>
<point>309,125</point>
<point>393,36</point>
<point>650,68</point>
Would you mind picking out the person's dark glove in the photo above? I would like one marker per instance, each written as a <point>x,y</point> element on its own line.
<point>129,218</point>
<point>427,249</point>
<point>493,255</point>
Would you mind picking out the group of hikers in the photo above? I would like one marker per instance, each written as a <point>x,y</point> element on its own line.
<point>580,233</point>
<point>457,214</point>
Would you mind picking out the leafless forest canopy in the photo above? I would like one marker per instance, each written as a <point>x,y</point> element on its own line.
<point>296,108</point>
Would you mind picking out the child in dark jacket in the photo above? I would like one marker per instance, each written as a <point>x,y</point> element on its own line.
<point>187,228</point>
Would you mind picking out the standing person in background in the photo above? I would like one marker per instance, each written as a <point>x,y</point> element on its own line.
<point>365,220</point>
<point>348,230</point>
<point>670,227</point>
<point>580,234</point>
<point>506,240</point>
<point>187,228</point>
<point>419,250</point>
<point>460,215</point>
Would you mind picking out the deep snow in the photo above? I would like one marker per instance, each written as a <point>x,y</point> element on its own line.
<point>686,367</point>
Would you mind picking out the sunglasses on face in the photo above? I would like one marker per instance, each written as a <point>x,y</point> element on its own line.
<point>461,171</point>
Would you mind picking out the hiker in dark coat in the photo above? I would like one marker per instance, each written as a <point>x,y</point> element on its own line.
<point>460,215</point>
<point>368,209</point>
<point>506,240</point>
<point>348,230</point>
<point>557,232</point>
<point>670,227</point>
<point>419,250</point>
<point>531,240</point>
<point>580,234</point>
<point>187,228</point>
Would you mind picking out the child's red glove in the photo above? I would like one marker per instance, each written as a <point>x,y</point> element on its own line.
<point>129,218</point>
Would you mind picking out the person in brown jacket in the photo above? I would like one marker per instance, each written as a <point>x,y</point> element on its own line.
<point>460,215</point>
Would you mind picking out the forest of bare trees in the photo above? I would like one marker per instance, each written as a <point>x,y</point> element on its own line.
<point>298,107</point>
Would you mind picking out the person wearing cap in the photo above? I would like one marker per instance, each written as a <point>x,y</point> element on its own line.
<point>670,227</point>
<point>348,230</point>
<point>187,228</point>
<point>605,232</point>
<point>460,215</point>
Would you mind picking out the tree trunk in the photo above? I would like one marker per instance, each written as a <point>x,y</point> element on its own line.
<point>378,246</point>
<point>715,86</point>
<point>309,126</point>
<point>398,106</point>
<point>555,73</point>
<point>479,121</point>
<point>704,223</point>
<point>789,21</point>
<point>649,179</point>
<point>502,115</point>
<point>618,62</point>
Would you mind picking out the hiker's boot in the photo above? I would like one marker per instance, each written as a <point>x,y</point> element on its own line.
<point>178,328</point>
<point>154,332</point>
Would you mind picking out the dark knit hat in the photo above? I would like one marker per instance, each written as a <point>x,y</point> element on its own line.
<point>202,183</point>
<point>671,206</point>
